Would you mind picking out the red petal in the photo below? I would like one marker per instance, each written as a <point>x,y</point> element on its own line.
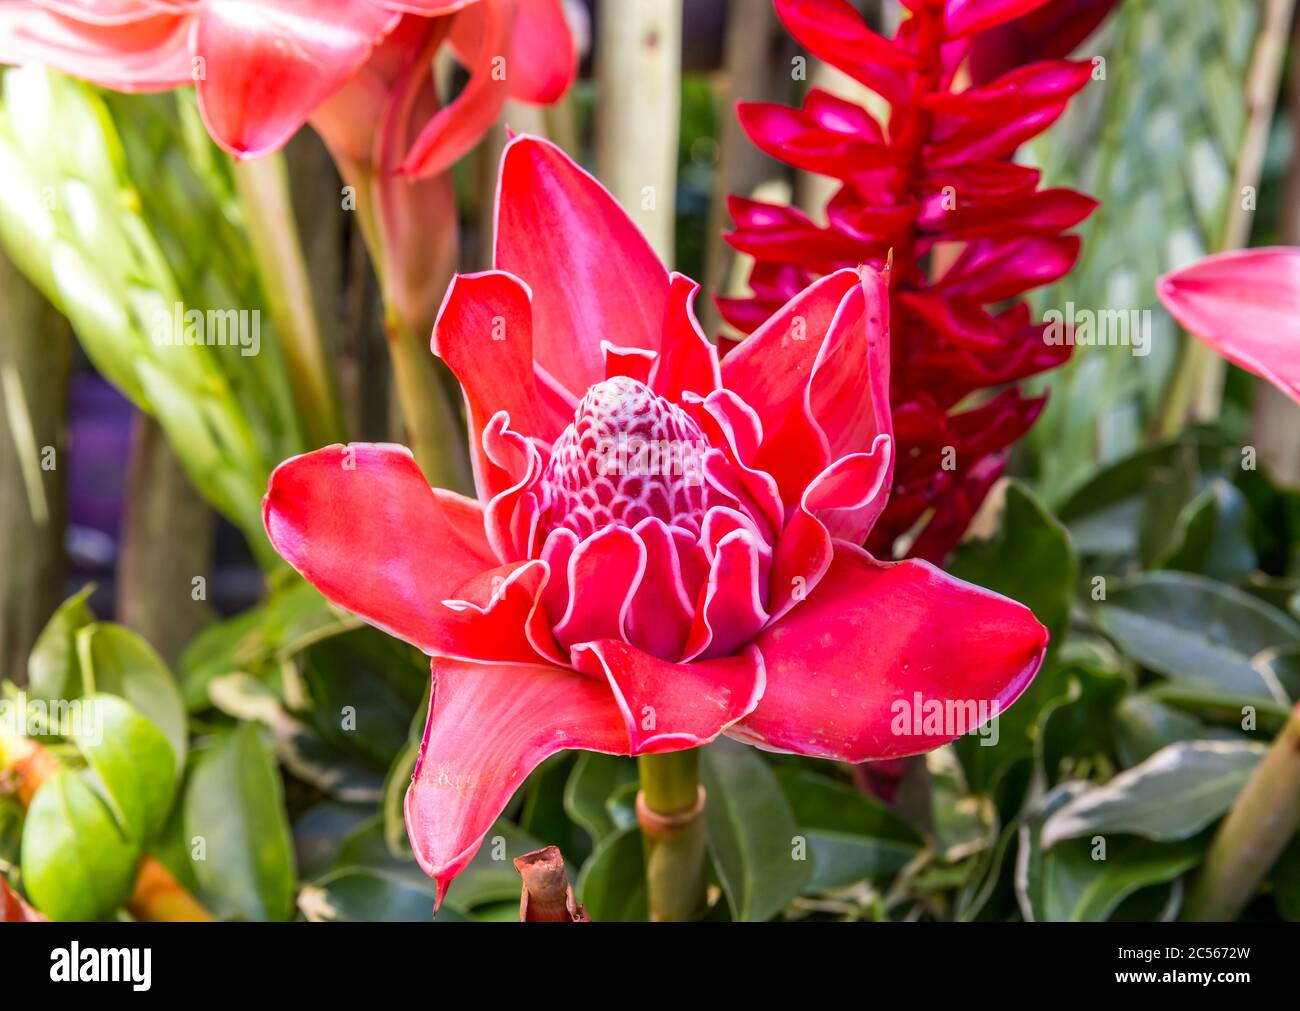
<point>873,638</point>
<point>592,273</point>
<point>363,526</point>
<point>687,361</point>
<point>269,64</point>
<point>966,17</point>
<point>671,706</point>
<point>489,726</point>
<point>543,58</point>
<point>139,55</point>
<point>1244,305</point>
<point>482,34</point>
<point>603,574</point>
<point>484,332</point>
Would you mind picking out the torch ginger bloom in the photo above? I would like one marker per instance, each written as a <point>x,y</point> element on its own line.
<point>663,547</point>
<point>1244,305</point>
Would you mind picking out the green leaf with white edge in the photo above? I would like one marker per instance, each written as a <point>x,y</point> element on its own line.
<point>594,780</point>
<point>1085,880</point>
<point>1212,536</point>
<point>1143,725</point>
<point>53,670</point>
<point>852,837</point>
<point>132,764</point>
<point>1282,664</point>
<point>118,661</point>
<point>751,832</point>
<point>612,883</point>
<point>1174,794</point>
<point>1196,630</point>
<point>234,804</point>
<point>77,864</point>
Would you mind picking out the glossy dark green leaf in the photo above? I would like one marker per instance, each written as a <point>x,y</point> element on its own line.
<point>1143,725</point>
<point>77,863</point>
<point>1172,795</point>
<point>491,876</point>
<point>752,832</point>
<point>234,809</point>
<point>1212,536</point>
<point>612,883</point>
<point>852,837</point>
<point>1196,630</point>
<point>1029,559</point>
<point>368,895</point>
<point>594,779</point>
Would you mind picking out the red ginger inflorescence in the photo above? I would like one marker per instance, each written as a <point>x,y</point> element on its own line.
<point>969,230</point>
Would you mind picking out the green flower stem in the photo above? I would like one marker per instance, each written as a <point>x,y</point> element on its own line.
<point>432,429</point>
<point>268,211</point>
<point>1257,829</point>
<point>670,809</point>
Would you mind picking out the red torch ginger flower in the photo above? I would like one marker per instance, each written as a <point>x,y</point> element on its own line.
<point>1245,305</point>
<point>664,547</point>
<point>931,183</point>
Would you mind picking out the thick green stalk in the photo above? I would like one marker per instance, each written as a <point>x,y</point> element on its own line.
<point>1257,829</point>
<point>268,211</point>
<point>670,809</point>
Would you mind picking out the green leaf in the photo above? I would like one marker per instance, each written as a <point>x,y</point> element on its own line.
<point>1193,629</point>
<point>77,865</point>
<point>594,779</point>
<point>234,803</point>
<point>491,876</point>
<point>751,832</point>
<point>132,762</point>
<point>1079,881</point>
<point>1212,536</point>
<point>1029,559</point>
<point>1143,725</point>
<point>370,895</point>
<point>612,882</point>
<point>1286,882</point>
<point>1172,795</point>
<point>117,661</point>
<point>852,837</point>
<point>53,671</point>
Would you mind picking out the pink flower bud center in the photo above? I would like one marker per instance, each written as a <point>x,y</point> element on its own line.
<point>629,455</point>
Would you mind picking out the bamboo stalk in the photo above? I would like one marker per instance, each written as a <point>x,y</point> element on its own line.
<point>638,81</point>
<point>35,357</point>
<point>167,535</point>
<point>754,69</point>
<point>1196,390</point>
<point>1275,423</point>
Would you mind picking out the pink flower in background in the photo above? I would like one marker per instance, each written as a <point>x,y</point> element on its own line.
<point>1245,305</point>
<point>664,547</point>
<point>264,67</point>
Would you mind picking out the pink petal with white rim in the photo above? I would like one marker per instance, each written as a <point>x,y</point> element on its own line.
<point>670,706</point>
<point>592,273</point>
<point>489,726</point>
<point>687,361</point>
<point>604,572</point>
<point>875,640</point>
<point>362,525</point>
<point>659,618</point>
<point>733,609</point>
<point>1245,305</point>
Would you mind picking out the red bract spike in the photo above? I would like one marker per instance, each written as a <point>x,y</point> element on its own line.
<point>933,177</point>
